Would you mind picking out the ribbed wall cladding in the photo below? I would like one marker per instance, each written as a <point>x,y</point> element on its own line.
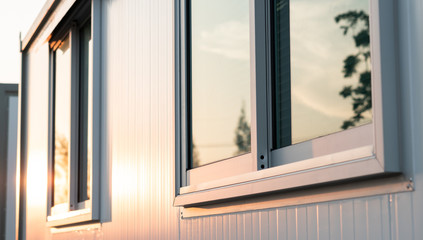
<point>138,76</point>
<point>138,72</point>
<point>36,66</point>
<point>372,218</point>
<point>138,169</point>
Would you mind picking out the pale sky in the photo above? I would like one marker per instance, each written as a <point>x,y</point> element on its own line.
<point>15,16</point>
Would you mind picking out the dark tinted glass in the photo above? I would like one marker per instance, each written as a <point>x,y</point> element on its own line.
<point>85,114</point>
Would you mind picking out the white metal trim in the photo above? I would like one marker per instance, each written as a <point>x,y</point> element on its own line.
<point>74,117</point>
<point>384,83</point>
<point>76,216</point>
<point>329,173</point>
<point>182,50</point>
<point>326,145</point>
<point>308,196</point>
<point>222,169</point>
<point>40,28</point>
<point>48,6</point>
<point>98,124</point>
<point>346,157</point>
<point>85,227</point>
<point>259,84</point>
<point>97,109</point>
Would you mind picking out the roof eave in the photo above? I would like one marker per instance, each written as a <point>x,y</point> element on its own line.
<point>39,22</point>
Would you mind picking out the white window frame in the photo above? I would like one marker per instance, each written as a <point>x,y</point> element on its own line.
<point>74,212</point>
<point>269,171</point>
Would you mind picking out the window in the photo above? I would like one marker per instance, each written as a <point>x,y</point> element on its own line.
<point>278,94</point>
<point>318,58</point>
<point>73,185</point>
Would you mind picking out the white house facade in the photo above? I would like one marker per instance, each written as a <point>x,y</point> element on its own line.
<point>240,119</point>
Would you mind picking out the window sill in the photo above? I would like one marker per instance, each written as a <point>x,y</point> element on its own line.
<point>71,217</point>
<point>69,229</point>
<point>315,195</point>
<point>349,164</point>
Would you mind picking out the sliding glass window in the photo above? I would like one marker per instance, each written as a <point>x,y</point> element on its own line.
<point>219,80</point>
<point>322,71</point>
<point>62,117</point>
<point>286,92</point>
<point>73,187</point>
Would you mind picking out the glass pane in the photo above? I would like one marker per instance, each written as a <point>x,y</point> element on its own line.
<point>85,114</point>
<point>322,68</point>
<point>62,122</point>
<point>220,80</point>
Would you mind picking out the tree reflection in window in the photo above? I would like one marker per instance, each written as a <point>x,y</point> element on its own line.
<point>62,115</point>
<point>243,134</point>
<point>357,24</point>
<point>61,169</point>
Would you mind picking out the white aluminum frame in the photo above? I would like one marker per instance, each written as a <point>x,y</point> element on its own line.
<point>87,211</point>
<point>219,169</point>
<point>377,154</point>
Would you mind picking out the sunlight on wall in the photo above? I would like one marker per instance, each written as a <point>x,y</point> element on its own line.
<point>37,179</point>
<point>126,180</point>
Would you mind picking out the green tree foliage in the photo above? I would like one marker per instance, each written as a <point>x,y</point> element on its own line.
<point>243,134</point>
<point>357,24</point>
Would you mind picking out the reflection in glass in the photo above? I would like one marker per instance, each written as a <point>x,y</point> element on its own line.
<point>310,52</point>
<point>62,122</point>
<point>220,80</point>
<point>85,114</point>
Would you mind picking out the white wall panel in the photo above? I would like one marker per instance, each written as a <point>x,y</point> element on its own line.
<point>282,224</point>
<point>347,220</point>
<point>360,220</point>
<point>255,226</point>
<point>273,225</point>
<point>248,226</point>
<point>312,226</point>
<point>291,227</point>
<point>36,61</point>
<point>138,71</point>
<point>363,218</point>
<point>302,223</point>
<point>138,169</point>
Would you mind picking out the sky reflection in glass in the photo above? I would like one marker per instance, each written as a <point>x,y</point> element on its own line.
<point>220,78</point>
<point>316,48</point>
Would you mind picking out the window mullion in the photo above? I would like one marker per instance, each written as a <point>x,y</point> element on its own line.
<point>183,92</point>
<point>260,82</point>
<point>269,75</point>
<point>74,134</point>
<point>51,132</point>
<point>97,110</point>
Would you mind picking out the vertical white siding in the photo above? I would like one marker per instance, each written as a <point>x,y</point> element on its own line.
<point>371,218</point>
<point>37,104</point>
<point>138,80</point>
<point>138,72</point>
